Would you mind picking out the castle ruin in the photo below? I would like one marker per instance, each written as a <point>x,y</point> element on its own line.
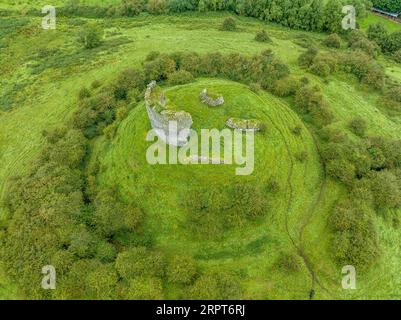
<point>173,127</point>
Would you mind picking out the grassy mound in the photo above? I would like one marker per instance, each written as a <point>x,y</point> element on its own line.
<point>255,246</point>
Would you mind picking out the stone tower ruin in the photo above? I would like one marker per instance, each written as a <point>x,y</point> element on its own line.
<point>173,127</point>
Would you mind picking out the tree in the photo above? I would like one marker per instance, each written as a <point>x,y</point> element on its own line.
<point>316,15</point>
<point>182,5</point>
<point>90,36</point>
<point>333,16</point>
<point>378,33</point>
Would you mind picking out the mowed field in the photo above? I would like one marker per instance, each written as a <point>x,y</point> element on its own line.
<point>42,71</point>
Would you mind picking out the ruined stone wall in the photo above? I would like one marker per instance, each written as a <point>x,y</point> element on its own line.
<point>245,125</point>
<point>160,121</point>
<point>209,101</point>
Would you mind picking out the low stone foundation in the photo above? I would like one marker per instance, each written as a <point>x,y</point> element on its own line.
<point>245,125</point>
<point>210,101</point>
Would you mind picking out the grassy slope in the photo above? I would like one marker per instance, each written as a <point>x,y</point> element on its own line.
<point>374,18</point>
<point>50,97</point>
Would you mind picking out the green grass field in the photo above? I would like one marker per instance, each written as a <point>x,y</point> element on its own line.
<point>39,92</point>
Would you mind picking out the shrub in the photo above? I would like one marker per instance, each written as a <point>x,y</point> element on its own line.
<point>90,36</point>
<point>262,36</point>
<point>248,201</point>
<point>393,42</point>
<point>229,24</point>
<point>160,68</point>
<point>364,68</point>
<point>366,46</point>
<point>297,130</point>
<point>333,134</point>
<point>144,288</point>
<point>272,185</point>
<point>216,286</point>
<point>320,68</point>
<point>377,33</point>
<point>333,41</point>
<point>301,156</point>
<point>181,269</point>
<point>105,252</point>
<point>310,100</point>
<point>131,8</point>
<point>102,282</point>
<point>289,262</point>
<point>358,126</point>
<point>84,93</point>
<point>385,189</point>
<point>355,237</point>
<point>182,5</point>
<point>306,59</point>
<point>140,261</point>
<point>341,169</point>
<point>157,6</point>
<point>255,87</point>
<point>397,56</point>
<point>285,87</point>
<point>180,77</point>
<point>96,84</point>
<point>127,80</point>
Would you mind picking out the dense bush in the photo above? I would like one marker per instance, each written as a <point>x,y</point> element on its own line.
<point>261,36</point>
<point>358,126</point>
<point>364,68</point>
<point>229,24</point>
<point>144,288</point>
<point>289,262</point>
<point>369,47</point>
<point>389,5</point>
<point>138,262</point>
<point>90,36</point>
<point>320,68</point>
<point>386,189</point>
<point>84,93</point>
<point>333,41</point>
<point>216,286</point>
<point>355,238</point>
<point>131,8</point>
<point>180,77</point>
<point>129,79</point>
<point>285,87</point>
<point>181,269</point>
<point>158,6</point>
<point>306,59</point>
<point>397,56</point>
<point>310,100</point>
